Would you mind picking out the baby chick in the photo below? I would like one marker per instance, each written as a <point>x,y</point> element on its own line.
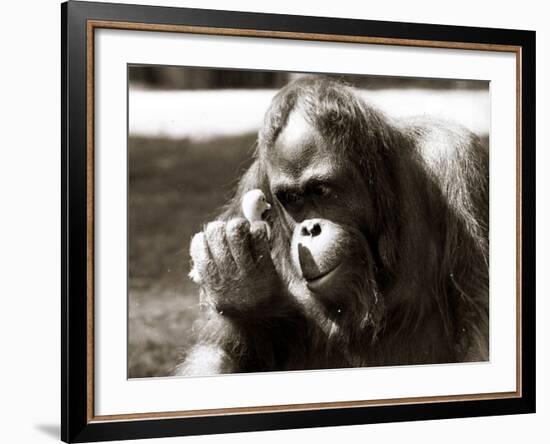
<point>254,206</point>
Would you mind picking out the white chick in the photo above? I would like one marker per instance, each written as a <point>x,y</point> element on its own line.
<point>254,205</point>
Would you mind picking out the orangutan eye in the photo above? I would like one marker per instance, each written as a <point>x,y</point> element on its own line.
<point>320,190</point>
<point>291,201</point>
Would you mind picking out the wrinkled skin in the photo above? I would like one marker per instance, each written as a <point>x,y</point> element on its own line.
<point>378,246</point>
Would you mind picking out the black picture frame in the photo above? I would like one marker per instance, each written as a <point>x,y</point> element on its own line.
<point>77,425</point>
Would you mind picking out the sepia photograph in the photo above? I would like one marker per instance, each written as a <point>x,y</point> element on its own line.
<point>276,222</point>
<point>286,221</point>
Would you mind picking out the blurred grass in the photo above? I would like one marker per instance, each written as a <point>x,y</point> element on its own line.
<point>175,186</point>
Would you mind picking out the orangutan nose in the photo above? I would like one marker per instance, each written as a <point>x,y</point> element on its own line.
<point>310,227</point>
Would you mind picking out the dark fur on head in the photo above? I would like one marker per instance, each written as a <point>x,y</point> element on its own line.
<point>351,126</point>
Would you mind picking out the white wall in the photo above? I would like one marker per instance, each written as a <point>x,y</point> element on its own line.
<point>29,234</point>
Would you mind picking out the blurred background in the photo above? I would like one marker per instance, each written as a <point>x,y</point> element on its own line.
<point>191,135</point>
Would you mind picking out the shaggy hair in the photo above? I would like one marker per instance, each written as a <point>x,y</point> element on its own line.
<point>419,286</point>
